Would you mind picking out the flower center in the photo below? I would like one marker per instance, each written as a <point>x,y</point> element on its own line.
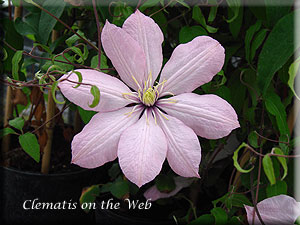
<point>149,96</point>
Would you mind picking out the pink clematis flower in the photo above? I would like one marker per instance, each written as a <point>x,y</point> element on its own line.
<point>281,209</point>
<point>139,124</point>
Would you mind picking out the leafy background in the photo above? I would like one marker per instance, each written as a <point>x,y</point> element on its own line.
<point>257,79</point>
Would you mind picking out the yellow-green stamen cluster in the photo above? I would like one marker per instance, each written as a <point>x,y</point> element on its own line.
<point>149,97</point>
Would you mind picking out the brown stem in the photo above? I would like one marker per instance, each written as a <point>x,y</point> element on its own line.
<point>9,103</point>
<point>51,106</point>
<point>99,34</point>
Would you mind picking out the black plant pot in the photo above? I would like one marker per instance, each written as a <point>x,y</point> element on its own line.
<point>131,216</point>
<point>19,189</point>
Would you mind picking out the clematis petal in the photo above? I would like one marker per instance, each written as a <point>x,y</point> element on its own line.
<point>147,33</point>
<point>184,151</point>
<point>208,115</point>
<point>153,193</point>
<point>125,54</point>
<point>142,150</point>
<point>281,209</point>
<point>192,64</point>
<point>111,90</point>
<point>98,142</point>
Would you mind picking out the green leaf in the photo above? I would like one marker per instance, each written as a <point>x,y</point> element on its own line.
<point>29,143</point>
<point>280,188</point>
<point>17,123</point>
<point>186,34</point>
<point>233,5</point>
<point>253,138</point>
<point>220,215</point>
<point>165,183</point>
<point>121,12</point>
<point>204,219</point>
<point>257,41</point>
<point>148,4</point>
<point>235,26</point>
<point>275,107</point>
<point>276,10</point>
<point>24,28</point>
<point>268,168</point>
<point>277,49</point>
<point>86,115</point>
<point>119,188</point>
<point>6,131</point>
<point>47,22</point>
<point>248,38</point>
<point>103,63</point>
<point>71,40</point>
<point>212,14</point>
<point>96,93</point>
<point>114,171</point>
<point>235,159</point>
<point>46,48</point>
<point>239,200</point>
<point>89,196</point>
<point>282,161</point>
<point>79,75</point>
<point>15,64</point>
<point>53,92</point>
<point>293,71</point>
<point>199,17</point>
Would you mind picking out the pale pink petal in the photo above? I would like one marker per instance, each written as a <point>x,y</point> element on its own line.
<point>147,33</point>
<point>184,151</point>
<point>208,115</point>
<point>192,64</point>
<point>111,90</point>
<point>142,150</point>
<point>281,209</point>
<point>98,142</point>
<point>153,193</point>
<point>125,54</point>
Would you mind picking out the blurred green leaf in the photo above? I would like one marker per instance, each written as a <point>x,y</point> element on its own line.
<point>86,115</point>
<point>277,189</point>
<point>282,160</point>
<point>249,36</point>
<point>119,188</point>
<point>204,219</point>
<point>187,34</point>
<point>165,183</point>
<point>89,195</point>
<point>24,28</point>
<point>235,26</point>
<point>6,131</point>
<point>147,4</point>
<point>96,93</point>
<point>72,40</point>
<point>47,22</point>
<point>235,159</point>
<point>252,138</point>
<point>275,107</point>
<point>212,13</point>
<point>233,5</point>
<point>15,64</point>
<point>94,61</point>
<point>17,123</point>
<point>29,143</point>
<point>121,12</point>
<point>220,215</point>
<point>293,71</point>
<point>276,10</point>
<point>257,41</point>
<point>79,75</point>
<point>199,17</point>
<point>277,49</point>
<point>268,168</point>
<point>53,92</point>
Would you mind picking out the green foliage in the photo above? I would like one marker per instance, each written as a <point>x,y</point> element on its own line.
<point>6,131</point>
<point>278,48</point>
<point>96,93</point>
<point>17,123</point>
<point>29,143</point>
<point>89,195</point>
<point>235,159</point>
<point>165,183</point>
<point>269,169</point>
